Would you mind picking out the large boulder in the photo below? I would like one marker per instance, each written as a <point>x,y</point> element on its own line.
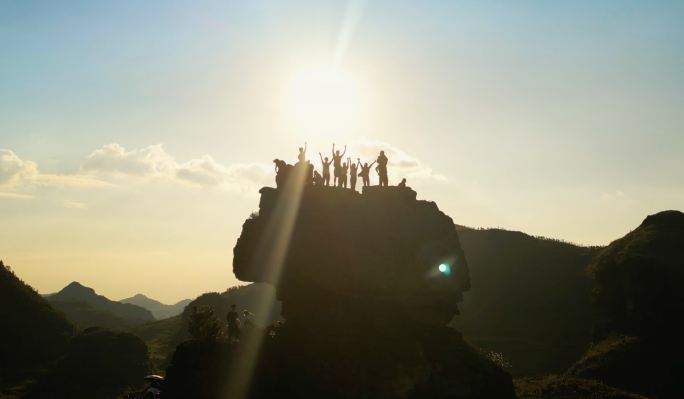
<point>379,263</point>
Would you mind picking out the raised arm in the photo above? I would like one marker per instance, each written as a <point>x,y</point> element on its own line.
<point>345,150</point>
<point>333,151</point>
<point>305,144</point>
<point>320,155</point>
<point>369,166</point>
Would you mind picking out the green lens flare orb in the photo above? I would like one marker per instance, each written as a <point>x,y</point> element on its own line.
<point>444,268</point>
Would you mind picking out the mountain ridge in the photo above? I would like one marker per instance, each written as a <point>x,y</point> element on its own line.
<point>158,309</point>
<point>75,291</point>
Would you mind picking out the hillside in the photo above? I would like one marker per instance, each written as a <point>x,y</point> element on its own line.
<point>530,299</point>
<point>639,299</point>
<point>158,309</point>
<point>163,336</point>
<point>84,315</point>
<point>132,314</point>
<point>33,333</point>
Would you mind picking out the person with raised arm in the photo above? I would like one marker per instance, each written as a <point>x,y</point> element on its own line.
<point>337,162</point>
<point>353,168</point>
<point>302,153</point>
<point>365,173</point>
<point>326,169</point>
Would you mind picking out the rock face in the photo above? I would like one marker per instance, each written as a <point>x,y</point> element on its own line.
<point>368,283</point>
<point>356,263</point>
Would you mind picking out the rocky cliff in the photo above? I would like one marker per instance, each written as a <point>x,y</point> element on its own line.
<point>356,263</point>
<point>368,283</point>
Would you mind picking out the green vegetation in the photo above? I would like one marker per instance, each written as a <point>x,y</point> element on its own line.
<point>530,299</point>
<point>132,314</point>
<point>203,323</point>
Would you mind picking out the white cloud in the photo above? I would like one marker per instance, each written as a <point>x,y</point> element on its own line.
<point>400,164</point>
<point>74,205</point>
<point>15,195</point>
<point>616,195</point>
<point>15,172</point>
<point>155,163</point>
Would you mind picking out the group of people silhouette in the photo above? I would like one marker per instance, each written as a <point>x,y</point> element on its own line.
<point>343,172</point>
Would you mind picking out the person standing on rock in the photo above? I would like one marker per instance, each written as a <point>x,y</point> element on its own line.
<point>233,324</point>
<point>302,153</point>
<point>365,173</point>
<point>353,168</point>
<point>326,169</point>
<point>382,169</point>
<point>337,162</point>
<point>342,179</point>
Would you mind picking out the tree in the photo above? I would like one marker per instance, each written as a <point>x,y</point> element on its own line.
<point>203,323</point>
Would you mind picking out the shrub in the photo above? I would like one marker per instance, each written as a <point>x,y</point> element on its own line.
<point>203,323</point>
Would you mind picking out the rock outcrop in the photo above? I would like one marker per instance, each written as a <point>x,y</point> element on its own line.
<point>368,283</point>
<point>356,263</point>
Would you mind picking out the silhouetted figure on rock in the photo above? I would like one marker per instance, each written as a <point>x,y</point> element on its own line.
<point>353,168</point>
<point>337,161</point>
<point>382,168</point>
<point>302,153</point>
<point>365,173</point>
<point>342,178</point>
<point>403,183</point>
<point>326,169</point>
<point>282,170</point>
<point>317,179</point>
<point>233,324</point>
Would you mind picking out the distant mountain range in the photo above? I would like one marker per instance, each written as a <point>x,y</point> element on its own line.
<point>158,309</point>
<point>84,307</point>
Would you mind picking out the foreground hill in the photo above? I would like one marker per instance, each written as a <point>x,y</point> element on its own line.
<point>158,309</point>
<point>530,299</point>
<point>132,314</point>
<point>640,303</point>
<point>163,336</point>
<point>33,333</point>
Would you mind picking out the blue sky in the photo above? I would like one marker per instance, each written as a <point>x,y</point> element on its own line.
<point>560,119</point>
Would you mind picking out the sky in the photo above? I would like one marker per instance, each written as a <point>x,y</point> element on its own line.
<point>134,136</point>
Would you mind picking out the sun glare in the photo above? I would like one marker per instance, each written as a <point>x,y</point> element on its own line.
<point>323,103</point>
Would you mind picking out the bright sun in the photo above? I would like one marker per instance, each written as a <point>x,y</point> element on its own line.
<point>324,103</point>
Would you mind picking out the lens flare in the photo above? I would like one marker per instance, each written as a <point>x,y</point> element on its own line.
<point>444,268</point>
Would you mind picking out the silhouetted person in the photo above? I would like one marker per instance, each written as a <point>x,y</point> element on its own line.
<point>326,169</point>
<point>337,161</point>
<point>342,178</point>
<point>233,324</point>
<point>353,168</point>
<point>281,170</point>
<point>317,179</point>
<point>365,173</point>
<point>382,168</point>
<point>309,173</point>
<point>302,153</point>
<point>403,183</point>
<point>250,320</point>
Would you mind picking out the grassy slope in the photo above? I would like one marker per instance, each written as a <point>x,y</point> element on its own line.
<point>564,387</point>
<point>530,299</point>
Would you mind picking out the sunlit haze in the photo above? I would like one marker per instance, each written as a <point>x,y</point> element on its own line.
<point>134,136</point>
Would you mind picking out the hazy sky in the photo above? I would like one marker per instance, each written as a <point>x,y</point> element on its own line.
<point>135,135</point>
